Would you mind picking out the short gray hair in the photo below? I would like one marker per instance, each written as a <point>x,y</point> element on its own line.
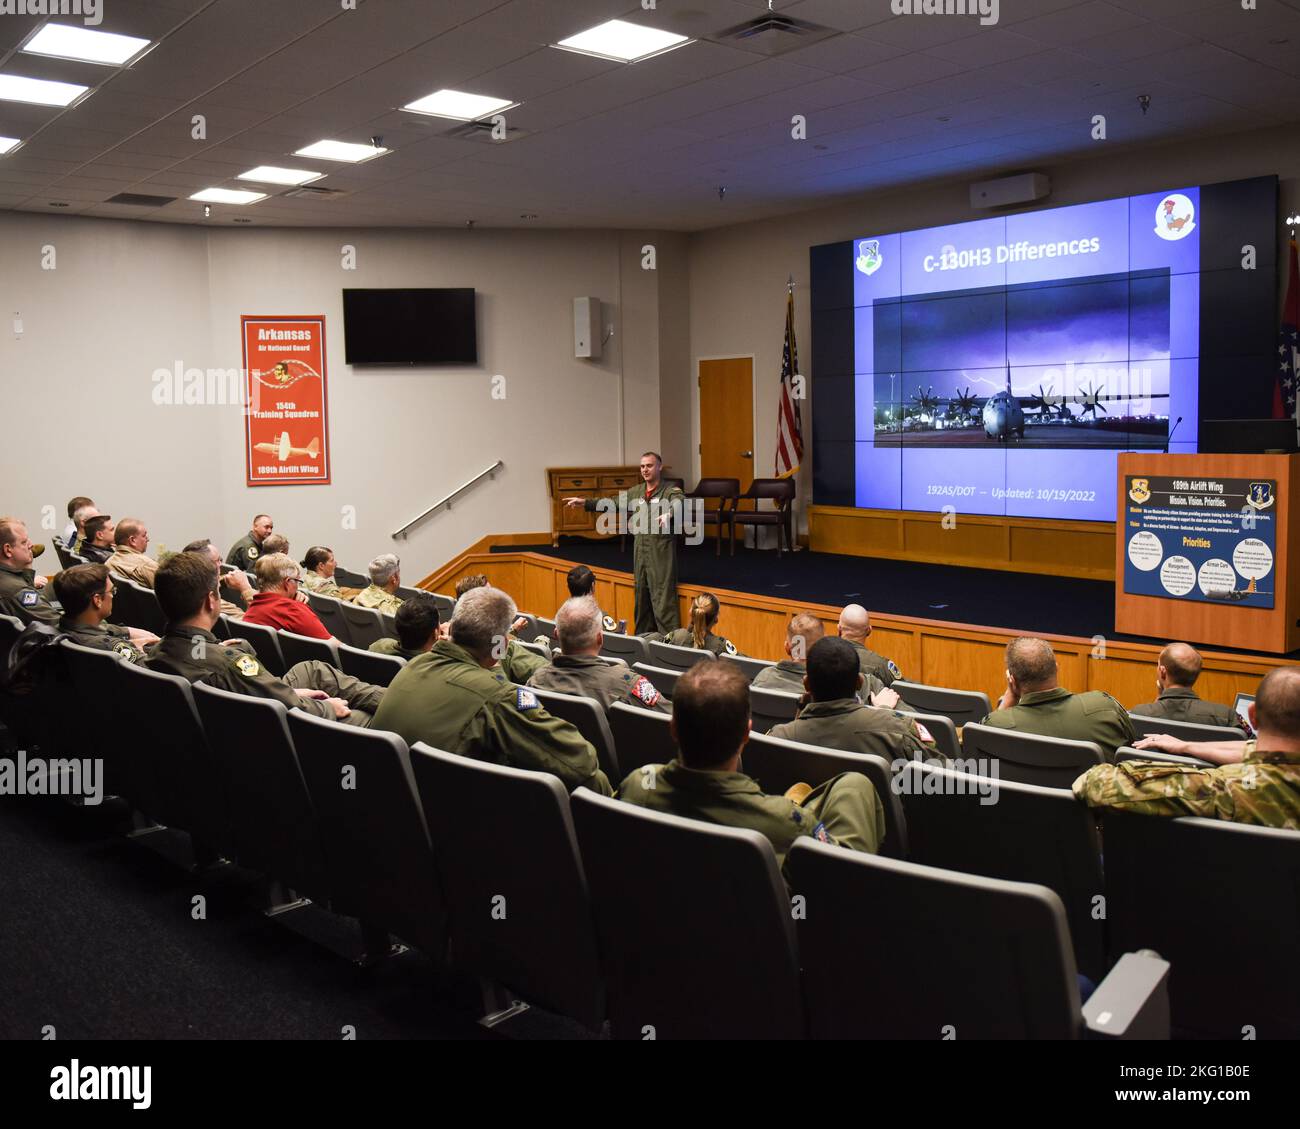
<point>577,624</point>
<point>274,569</point>
<point>80,514</point>
<point>482,619</point>
<point>382,569</point>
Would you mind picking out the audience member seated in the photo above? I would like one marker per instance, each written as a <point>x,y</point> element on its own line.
<point>318,574</point>
<point>276,603</point>
<point>1035,703</point>
<point>580,670</point>
<point>72,530</point>
<point>236,581</point>
<point>186,584</point>
<point>704,617</point>
<point>130,540</point>
<point>244,552</point>
<point>97,546</point>
<point>855,626</point>
<point>581,581</point>
<point>455,699</point>
<point>801,635</point>
<point>86,593</point>
<point>22,592</point>
<point>274,543</point>
<point>1254,782</point>
<point>518,662</point>
<point>79,518</point>
<point>417,628</point>
<point>385,578</point>
<point>837,719</point>
<point>710,726</point>
<point>1177,670</point>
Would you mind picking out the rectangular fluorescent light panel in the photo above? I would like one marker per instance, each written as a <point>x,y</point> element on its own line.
<point>7,143</point>
<point>339,151</point>
<point>40,91</point>
<point>459,105</point>
<point>622,41</point>
<point>63,42</point>
<point>269,174</point>
<point>228,196</point>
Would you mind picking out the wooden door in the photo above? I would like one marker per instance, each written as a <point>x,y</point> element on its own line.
<point>727,420</point>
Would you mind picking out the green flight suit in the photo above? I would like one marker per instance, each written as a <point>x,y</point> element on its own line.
<point>654,551</point>
<point>1091,716</point>
<point>846,810</point>
<point>244,553</point>
<point>391,646</point>
<point>1181,703</point>
<point>199,656</point>
<point>519,663</point>
<point>846,724</point>
<point>446,699</point>
<point>589,676</point>
<point>104,637</point>
<point>788,675</point>
<point>19,597</point>
<point>684,637</point>
<point>377,598</point>
<point>876,665</point>
<point>1264,789</point>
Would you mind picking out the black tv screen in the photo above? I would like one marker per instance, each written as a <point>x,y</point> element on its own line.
<point>410,327</point>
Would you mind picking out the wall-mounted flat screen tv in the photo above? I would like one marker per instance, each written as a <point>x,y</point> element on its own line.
<point>408,326</point>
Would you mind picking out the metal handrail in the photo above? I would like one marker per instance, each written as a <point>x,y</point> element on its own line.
<point>488,473</point>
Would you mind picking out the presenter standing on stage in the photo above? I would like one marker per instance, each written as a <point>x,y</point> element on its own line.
<point>648,511</point>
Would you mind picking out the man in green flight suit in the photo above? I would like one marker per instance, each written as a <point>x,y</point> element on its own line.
<point>648,512</point>
<point>1177,670</point>
<point>22,592</point>
<point>244,552</point>
<point>86,593</point>
<point>1255,782</point>
<point>1035,703</point>
<point>455,699</point>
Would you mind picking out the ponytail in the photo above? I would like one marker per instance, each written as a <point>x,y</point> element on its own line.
<point>704,614</point>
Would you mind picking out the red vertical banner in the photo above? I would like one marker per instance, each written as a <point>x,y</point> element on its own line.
<point>286,429</point>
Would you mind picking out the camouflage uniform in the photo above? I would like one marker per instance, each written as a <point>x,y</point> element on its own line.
<point>684,637</point>
<point>236,667</point>
<point>244,553</point>
<point>446,699</point>
<point>132,565</point>
<point>1181,703</point>
<point>846,810</point>
<point>104,637</point>
<point>1264,789</point>
<point>875,665</point>
<point>19,597</point>
<point>846,724</point>
<point>654,553</point>
<point>377,598</point>
<point>1091,716</point>
<point>591,677</point>
<point>788,675</point>
<point>321,585</point>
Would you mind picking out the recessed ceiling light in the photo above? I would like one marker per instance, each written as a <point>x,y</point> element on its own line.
<point>622,41</point>
<point>8,143</point>
<point>340,151</point>
<point>85,45</point>
<point>459,105</point>
<point>40,91</point>
<point>269,174</point>
<point>228,196</point>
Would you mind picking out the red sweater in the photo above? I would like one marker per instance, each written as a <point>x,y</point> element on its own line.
<point>275,609</point>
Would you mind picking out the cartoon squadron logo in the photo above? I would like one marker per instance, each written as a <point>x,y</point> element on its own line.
<point>1140,490</point>
<point>1175,217</point>
<point>1261,495</point>
<point>869,257</point>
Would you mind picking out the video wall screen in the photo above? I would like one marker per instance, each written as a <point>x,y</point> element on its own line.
<point>1000,365</point>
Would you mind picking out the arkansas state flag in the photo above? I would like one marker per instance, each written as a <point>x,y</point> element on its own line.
<point>789,425</point>
<point>1288,351</point>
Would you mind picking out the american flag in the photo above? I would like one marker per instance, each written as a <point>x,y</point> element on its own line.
<point>789,425</point>
<point>1288,350</point>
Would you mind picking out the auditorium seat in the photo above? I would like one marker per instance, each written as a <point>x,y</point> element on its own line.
<point>641,736</point>
<point>379,862</point>
<point>370,666</point>
<point>264,640</point>
<point>364,624</point>
<point>10,628</point>
<point>94,677</point>
<point>295,648</point>
<point>1184,730</point>
<point>346,578</point>
<point>725,491</point>
<point>693,925</point>
<point>529,631</point>
<point>61,550</point>
<point>137,606</point>
<point>589,718</point>
<point>330,612</point>
<point>520,918</point>
<point>664,678</point>
<point>1018,832</point>
<point>1026,758</point>
<point>677,658</point>
<point>751,667</point>
<point>272,823</point>
<point>963,706</point>
<point>405,592</point>
<point>941,729</point>
<point>771,707</point>
<point>446,606</point>
<point>987,959</point>
<point>388,624</point>
<point>1125,753</point>
<point>778,490</point>
<point>1221,902</point>
<point>547,627</point>
<point>777,764</point>
<point>631,649</point>
<point>541,650</point>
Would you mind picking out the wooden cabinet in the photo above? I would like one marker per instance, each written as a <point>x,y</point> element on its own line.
<point>583,482</point>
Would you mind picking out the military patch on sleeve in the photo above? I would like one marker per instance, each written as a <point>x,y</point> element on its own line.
<point>644,690</point>
<point>609,623</point>
<point>29,597</point>
<point>924,733</point>
<point>251,552</point>
<point>821,833</point>
<point>125,650</point>
<point>893,668</point>
<point>730,646</point>
<point>247,666</point>
<point>525,700</point>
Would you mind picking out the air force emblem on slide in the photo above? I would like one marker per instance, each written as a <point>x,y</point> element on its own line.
<point>1261,495</point>
<point>1140,490</point>
<point>869,257</point>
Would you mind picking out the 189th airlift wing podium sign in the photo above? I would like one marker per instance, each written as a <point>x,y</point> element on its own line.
<point>1203,549</point>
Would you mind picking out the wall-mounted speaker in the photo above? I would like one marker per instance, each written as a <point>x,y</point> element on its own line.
<point>586,327</point>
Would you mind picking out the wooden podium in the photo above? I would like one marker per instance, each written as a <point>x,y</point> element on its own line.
<point>1218,622</point>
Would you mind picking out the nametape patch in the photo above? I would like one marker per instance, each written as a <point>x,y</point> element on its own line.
<point>247,666</point>
<point>525,700</point>
<point>644,690</point>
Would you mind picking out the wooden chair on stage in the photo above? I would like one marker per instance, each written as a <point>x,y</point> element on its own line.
<point>781,492</point>
<point>727,492</point>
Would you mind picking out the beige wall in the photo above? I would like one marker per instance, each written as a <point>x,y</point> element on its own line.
<point>738,274</point>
